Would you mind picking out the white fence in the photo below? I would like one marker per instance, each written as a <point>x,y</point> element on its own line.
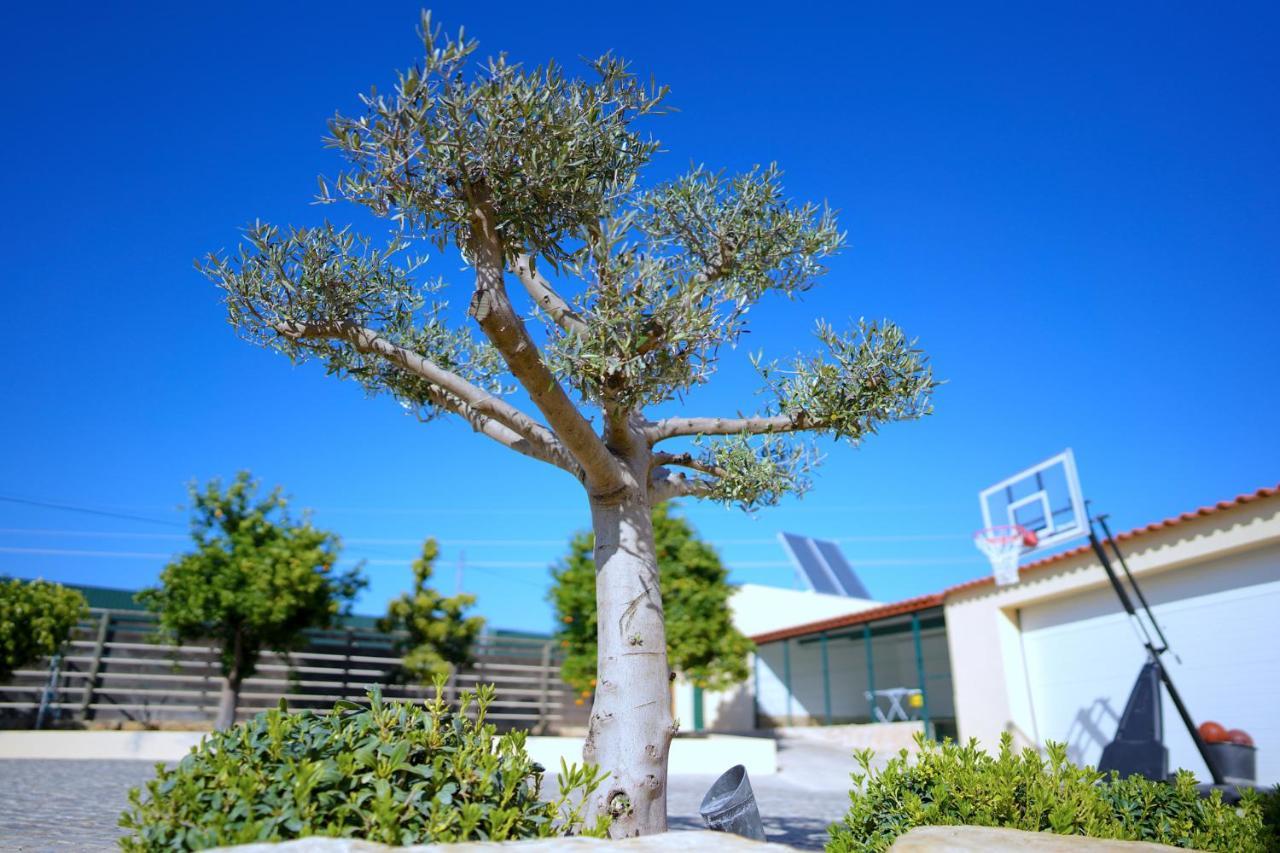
<point>114,670</point>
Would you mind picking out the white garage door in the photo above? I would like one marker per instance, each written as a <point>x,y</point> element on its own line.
<point>1222,619</point>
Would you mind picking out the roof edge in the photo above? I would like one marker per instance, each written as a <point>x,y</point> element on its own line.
<point>924,602</point>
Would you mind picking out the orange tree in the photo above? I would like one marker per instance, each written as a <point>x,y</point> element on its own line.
<point>255,581</point>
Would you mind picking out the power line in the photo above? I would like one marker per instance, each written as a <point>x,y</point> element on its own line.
<point>87,510</point>
<point>495,564</point>
<point>71,552</point>
<point>89,534</point>
<point>497,543</point>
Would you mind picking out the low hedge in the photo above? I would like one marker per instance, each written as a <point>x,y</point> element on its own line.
<point>393,772</point>
<point>36,619</point>
<point>949,784</point>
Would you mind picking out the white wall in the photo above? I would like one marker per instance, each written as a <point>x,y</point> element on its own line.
<point>759,609</point>
<point>1015,650</point>
<point>1082,658</point>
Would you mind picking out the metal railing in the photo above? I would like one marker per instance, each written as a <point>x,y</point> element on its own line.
<point>115,669</point>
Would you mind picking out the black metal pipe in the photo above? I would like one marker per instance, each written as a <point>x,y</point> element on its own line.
<point>1111,576</point>
<point>1155,656</point>
<point>1190,724</point>
<point>1115,547</point>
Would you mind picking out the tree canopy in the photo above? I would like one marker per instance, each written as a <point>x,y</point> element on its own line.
<point>36,619</point>
<point>702,643</point>
<point>256,579</point>
<point>536,174</point>
<point>433,634</point>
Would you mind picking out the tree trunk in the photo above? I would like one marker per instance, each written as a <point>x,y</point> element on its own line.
<point>631,725</point>
<point>231,681</point>
<point>227,702</point>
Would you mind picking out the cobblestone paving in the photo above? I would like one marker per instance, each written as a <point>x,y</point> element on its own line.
<point>64,805</point>
<point>73,805</point>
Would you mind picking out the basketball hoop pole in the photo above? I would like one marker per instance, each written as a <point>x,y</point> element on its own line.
<point>1115,548</point>
<point>1152,650</point>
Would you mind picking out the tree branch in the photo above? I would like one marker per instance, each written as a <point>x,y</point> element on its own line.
<point>545,296</point>
<point>756,425</point>
<point>492,310</point>
<point>665,484</point>
<point>504,435</point>
<point>455,393</point>
<point>687,460</point>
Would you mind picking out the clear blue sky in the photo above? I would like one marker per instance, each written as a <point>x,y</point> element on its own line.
<point>1076,208</point>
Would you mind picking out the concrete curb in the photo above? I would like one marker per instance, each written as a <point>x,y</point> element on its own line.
<point>712,842</point>
<point>710,755</point>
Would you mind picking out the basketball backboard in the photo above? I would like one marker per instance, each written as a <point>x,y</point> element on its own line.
<point>822,565</point>
<point>1045,499</point>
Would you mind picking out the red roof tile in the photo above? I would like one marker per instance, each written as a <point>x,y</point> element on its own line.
<point>884,611</point>
<point>923,602</point>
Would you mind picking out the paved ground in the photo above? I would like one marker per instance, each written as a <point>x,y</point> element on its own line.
<point>73,805</point>
<point>797,804</point>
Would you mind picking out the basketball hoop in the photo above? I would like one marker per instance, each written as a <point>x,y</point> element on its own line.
<point>1003,545</point>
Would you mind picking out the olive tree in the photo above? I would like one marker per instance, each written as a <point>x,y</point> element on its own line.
<point>631,291</point>
<point>703,645</point>
<point>255,581</point>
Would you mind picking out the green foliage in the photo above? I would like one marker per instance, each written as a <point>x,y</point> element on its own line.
<point>275,275</point>
<point>394,772</point>
<point>702,643</point>
<point>756,472</point>
<point>674,273</point>
<point>1271,819</point>
<point>872,375</point>
<point>436,636</point>
<point>658,280</point>
<point>256,579</point>
<point>36,618</point>
<point>546,151</point>
<point>949,784</point>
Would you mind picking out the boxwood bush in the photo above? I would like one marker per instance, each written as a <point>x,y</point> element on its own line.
<point>949,784</point>
<point>36,619</point>
<point>393,772</point>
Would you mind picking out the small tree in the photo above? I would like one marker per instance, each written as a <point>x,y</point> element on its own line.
<point>702,643</point>
<point>437,637</point>
<point>534,178</point>
<point>255,582</point>
<point>36,620</point>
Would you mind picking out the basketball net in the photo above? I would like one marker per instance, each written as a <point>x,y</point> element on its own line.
<point>1003,546</point>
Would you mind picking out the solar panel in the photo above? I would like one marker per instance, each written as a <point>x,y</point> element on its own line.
<point>823,566</point>
<point>840,567</point>
<point>810,564</point>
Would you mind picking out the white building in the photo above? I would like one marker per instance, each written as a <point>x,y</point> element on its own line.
<point>756,609</point>
<point>1054,656</point>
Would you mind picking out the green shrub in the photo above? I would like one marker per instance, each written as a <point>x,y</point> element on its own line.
<point>1271,818</point>
<point>36,618</point>
<point>394,772</point>
<point>949,785</point>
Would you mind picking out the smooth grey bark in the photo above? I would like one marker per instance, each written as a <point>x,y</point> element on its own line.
<point>631,726</point>
<point>232,680</point>
<point>227,702</point>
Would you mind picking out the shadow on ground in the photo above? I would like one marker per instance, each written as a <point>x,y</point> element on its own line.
<point>802,832</point>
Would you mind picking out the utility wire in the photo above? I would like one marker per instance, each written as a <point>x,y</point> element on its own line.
<point>88,510</point>
<point>491,564</point>
<point>505,543</point>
